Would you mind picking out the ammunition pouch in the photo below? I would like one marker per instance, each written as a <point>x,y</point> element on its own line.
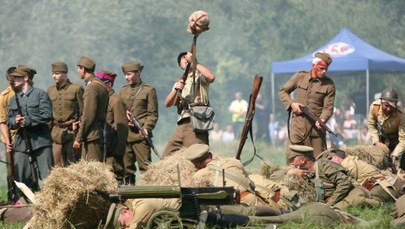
<point>202,117</point>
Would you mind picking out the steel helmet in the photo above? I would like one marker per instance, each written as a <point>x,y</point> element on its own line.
<point>389,94</point>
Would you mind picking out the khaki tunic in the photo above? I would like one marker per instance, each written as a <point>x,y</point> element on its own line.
<point>95,103</point>
<point>143,209</point>
<point>141,100</point>
<point>336,183</point>
<point>235,176</point>
<point>116,119</point>
<point>316,94</point>
<point>5,96</point>
<point>389,125</point>
<point>67,104</point>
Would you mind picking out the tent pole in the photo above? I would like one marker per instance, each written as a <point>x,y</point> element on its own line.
<point>368,90</point>
<point>273,107</point>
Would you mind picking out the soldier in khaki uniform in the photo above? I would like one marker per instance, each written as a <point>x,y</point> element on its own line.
<point>141,100</point>
<point>316,91</point>
<point>7,136</point>
<point>95,103</point>
<point>67,104</point>
<point>378,183</point>
<point>385,113</point>
<point>181,96</point>
<point>332,183</point>
<point>236,176</point>
<point>116,128</point>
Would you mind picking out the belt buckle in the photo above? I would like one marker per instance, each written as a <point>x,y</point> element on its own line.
<point>61,124</point>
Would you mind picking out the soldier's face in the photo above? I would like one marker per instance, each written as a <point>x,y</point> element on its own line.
<point>59,77</point>
<point>133,77</point>
<point>319,70</point>
<point>80,71</point>
<point>125,218</point>
<point>387,108</point>
<point>299,162</point>
<point>17,82</point>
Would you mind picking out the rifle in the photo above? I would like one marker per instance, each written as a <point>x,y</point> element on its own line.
<point>28,146</point>
<point>144,133</point>
<point>178,102</point>
<point>307,113</point>
<point>11,186</point>
<point>247,127</point>
<point>383,138</point>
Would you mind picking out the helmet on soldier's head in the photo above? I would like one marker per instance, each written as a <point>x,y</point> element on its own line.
<point>389,94</point>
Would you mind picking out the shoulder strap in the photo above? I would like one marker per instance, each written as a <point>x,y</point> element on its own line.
<point>319,189</point>
<point>100,83</point>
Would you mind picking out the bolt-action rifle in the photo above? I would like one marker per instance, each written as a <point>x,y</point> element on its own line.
<point>382,137</point>
<point>28,146</point>
<point>178,100</point>
<point>307,113</point>
<point>144,134</point>
<point>247,127</point>
<point>11,186</point>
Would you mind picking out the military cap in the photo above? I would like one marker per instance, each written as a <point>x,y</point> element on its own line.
<point>132,66</point>
<point>106,76</point>
<point>111,221</point>
<point>324,56</point>
<point>300,150</point>
<point>24,70</point>
<point>180,56</point>
<point>59,67</point>
<point>197,152</point>
<point>87,63</point>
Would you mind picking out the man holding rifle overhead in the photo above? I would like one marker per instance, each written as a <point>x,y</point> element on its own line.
<point>181,95</point>
<point>29,113</point>
<point>315,91</point>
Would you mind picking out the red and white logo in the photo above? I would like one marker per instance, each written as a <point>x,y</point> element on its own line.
<point>338,49</point>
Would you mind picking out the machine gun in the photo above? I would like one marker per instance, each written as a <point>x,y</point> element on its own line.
<point>144,133</point>
<point>28,146</point>
<point>307,113</point>
<point>191,201</point>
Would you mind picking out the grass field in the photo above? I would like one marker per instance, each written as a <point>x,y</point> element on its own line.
<point>267,152</point>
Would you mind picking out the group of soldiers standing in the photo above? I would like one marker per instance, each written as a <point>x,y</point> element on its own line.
<point>69,122</point>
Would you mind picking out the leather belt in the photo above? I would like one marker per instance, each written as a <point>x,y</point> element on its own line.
<point>63,124</point>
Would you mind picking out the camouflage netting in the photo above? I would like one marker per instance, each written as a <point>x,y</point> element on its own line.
<point>164,172</point>
<point>374,155</point>
<point>68,198</point>
<point>290,184</point>
<point>198,22</point>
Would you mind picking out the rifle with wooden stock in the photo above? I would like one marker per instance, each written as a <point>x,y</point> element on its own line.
<point>178,99</point>
<point>28,146</point>
<point>307,113</point>
<point>247,127</point>
<point>12,196</point>
<point>144,133</point>
<point>383,138</point>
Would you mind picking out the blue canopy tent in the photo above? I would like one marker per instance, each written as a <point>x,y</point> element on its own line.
<point>349,53</point>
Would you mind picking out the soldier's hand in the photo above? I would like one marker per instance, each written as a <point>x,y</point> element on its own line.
<point>298,172</point>
<point>20,120</point>
<point>296,108</point>
<point>75,125</point>
<point>9,147</point>
<point>76,145</point>
<point>179,85</point>
<point>318,125</point>
<point>130,123</point>
<point>394,160</point>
